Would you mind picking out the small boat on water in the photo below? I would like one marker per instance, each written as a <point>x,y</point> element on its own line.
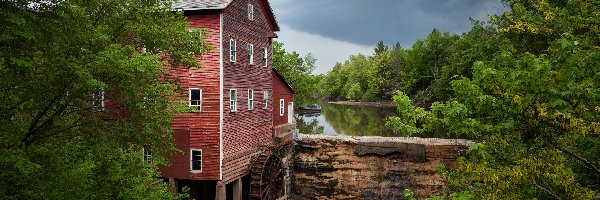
<point>311,107</point>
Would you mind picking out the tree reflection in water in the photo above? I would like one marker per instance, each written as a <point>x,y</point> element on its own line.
<point>310,126</point>
<point>347,120</point>
<point>359,120</point>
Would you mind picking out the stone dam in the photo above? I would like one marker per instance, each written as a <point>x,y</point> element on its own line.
<point>344,167</point>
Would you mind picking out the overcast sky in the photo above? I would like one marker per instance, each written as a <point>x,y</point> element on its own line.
<point>334,29</point>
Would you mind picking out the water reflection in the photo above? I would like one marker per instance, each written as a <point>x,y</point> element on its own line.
<point>309,124</point>
<point>347,120</point>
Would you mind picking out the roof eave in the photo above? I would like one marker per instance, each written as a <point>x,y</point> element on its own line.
<point>284,81</point>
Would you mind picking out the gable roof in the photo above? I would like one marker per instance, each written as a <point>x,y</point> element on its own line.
<point>283,79</point>
<point>193,5</point>
<point>201,4</point>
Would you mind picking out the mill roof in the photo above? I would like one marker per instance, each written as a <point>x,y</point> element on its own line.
<point>201,4</point>
<point>193,5</point>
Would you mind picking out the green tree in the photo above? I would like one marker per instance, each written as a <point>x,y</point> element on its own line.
<point>380,48</point>
<point>297,72</point>
<point>333,82</point>
<point>532,107</point>
<point>480,43</point>
<point>425,61</point>
<point>384,76</point>
<point>56,57</point>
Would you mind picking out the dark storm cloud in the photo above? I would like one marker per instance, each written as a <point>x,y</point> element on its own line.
<point>365,22</point>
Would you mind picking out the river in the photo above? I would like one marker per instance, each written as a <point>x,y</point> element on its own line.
<point>335,119</point>
<point>352,120</point>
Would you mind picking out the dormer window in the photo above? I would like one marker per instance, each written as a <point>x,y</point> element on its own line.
<point>250,12</point>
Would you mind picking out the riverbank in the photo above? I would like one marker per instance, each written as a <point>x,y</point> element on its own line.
<point>382,104</point>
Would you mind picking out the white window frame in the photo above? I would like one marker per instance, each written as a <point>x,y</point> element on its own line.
<point>233,101</point>
<point>232,50</point>
<point>146,154</point>
<point>250,12</point>
<point>199,106</point>
<point>265,101</point>
<point>250,99</point>
<point>265,57</point>
<point>281,107</point>
<point>192,161</point>
<point>250,54</point>
<point>99,94</point>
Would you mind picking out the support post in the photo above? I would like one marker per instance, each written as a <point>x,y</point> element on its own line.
<point>237,189</point>
<point>221,192</point>
<point>173,185</point>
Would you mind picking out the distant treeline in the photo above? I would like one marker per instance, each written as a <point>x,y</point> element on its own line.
<point>423,71</point>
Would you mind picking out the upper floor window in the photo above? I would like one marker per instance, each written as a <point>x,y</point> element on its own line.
<point>281,107</point>
<point>265,99</point>
<point>233,100</point>
<point>232,50</point>
<point>264,57</point>
<point>250,99</point>
<point>147,154</point>
<point>250,54</point>
<point>196,160</point>
<point>98,100</point>
<point>250,12</point>
<point>195,98</point>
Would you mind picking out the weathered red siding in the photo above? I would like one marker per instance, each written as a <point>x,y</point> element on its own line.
<point>280,91</point>
<point>245,130</point>
<point>202,127</point>
<point>180,166</point>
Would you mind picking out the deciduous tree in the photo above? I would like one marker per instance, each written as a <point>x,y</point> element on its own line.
<point>532,108</point>
<point>57,60</point>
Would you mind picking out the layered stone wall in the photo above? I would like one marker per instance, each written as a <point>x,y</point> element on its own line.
<point>327,167</point>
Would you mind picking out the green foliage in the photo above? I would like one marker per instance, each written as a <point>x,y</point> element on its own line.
<point>308,127</point>
<point>530,102</point>
<point>297,72</point>
<point>412,71</point>
<point>409,195</point>
<point>54,55</point>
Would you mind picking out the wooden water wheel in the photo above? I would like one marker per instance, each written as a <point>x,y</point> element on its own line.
<point>267,177</point>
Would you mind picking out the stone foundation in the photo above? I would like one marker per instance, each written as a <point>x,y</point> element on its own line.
<point>328,167</point>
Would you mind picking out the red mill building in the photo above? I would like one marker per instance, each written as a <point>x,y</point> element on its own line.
<point>234,107</point>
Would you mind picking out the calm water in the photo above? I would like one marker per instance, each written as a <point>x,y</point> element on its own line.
<point>347,120</point>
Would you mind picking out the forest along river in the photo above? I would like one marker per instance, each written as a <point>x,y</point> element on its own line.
<point>352,120</point>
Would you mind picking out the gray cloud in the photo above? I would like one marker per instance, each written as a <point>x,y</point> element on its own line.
<point>365,22</point>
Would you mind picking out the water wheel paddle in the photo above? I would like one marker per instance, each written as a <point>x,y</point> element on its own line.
<point>267,177</point>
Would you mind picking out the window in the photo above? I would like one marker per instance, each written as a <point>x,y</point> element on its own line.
<point>195,98</point>
<point>251,54</point>
<point>233,100</point>
<point>98,100</point>
<point>196,160</point>
<point>232,50</point>
<point>250,12</point>
<point>250,99</point>
<point>265,99</point>
<point>265,57</point>
<point>147,154</point>
<point>281,107</point>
